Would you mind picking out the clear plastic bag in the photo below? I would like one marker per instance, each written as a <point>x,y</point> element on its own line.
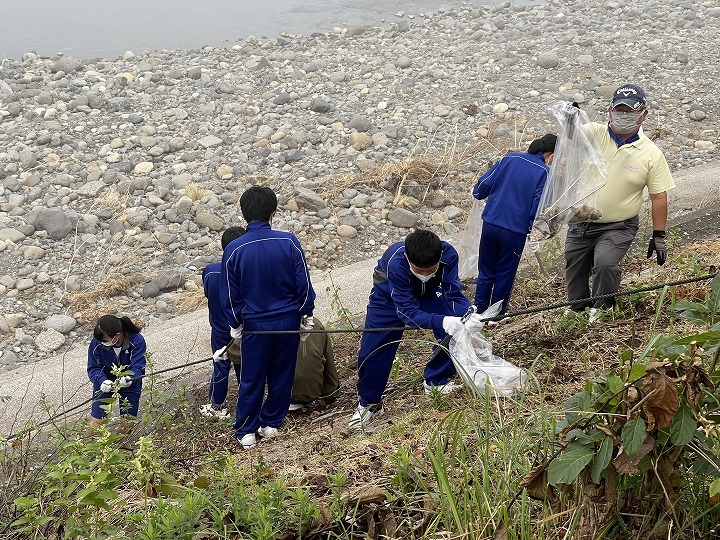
<point>479,368</point>
<point>469,244</point>
<point>578,172</point>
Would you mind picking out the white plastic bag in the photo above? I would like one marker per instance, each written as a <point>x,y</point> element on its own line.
<point>578,172</point>
<point>469,244</point>
<point>479,367</point>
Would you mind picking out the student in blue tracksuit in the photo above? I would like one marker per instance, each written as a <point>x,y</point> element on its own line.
<point>220,335</point>
<point>116,342</point>
<point>265,285</point>
<point>415,283</point>
<point>513,187</point>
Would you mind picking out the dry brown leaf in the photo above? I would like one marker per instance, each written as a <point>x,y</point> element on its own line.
<point>365,495</point>
<point>536,484</point>
<point>625,464</point>
<point>664,401</point>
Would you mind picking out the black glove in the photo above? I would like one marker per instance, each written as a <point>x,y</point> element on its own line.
<point>657,244</point>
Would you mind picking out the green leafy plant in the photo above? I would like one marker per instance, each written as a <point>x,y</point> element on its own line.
<point>635,442</point>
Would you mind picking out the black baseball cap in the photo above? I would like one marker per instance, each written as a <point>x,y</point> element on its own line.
<point>631,95</point>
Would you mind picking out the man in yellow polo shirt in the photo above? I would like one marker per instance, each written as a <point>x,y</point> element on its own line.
<point>595,249</point>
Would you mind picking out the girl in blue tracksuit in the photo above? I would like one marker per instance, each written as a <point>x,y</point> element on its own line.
<point>402,295</point>
<point>513,187</point>
<point>265,285</point>
<point>116,342</point>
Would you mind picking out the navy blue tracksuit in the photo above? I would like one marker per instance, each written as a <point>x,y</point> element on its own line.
<point>399,298</point>
<point>265,285</point>
<point>131,356</point>
<point>513,187</point>
<point>219,335</point>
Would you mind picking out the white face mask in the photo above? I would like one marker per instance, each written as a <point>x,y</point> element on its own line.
<point>422,278</point>
<point>110,343</point>
<point>624,123</point>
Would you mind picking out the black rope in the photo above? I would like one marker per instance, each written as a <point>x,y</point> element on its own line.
<point>607,296</point>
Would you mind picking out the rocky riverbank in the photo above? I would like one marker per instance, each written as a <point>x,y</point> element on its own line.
<point>118,175</point>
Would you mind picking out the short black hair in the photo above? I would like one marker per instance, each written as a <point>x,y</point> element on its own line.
<point>546,143</point>
<point>423,248</point>
<point>230,234</point>
<point>258,203</point>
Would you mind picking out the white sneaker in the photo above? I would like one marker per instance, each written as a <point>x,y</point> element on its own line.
<point>247,441</point>
<point>443,389</point>
<point>594,315</point>
<point>211,411</point>
<point>363,416</point>
<point>267,432</point>
<point>295,407</point>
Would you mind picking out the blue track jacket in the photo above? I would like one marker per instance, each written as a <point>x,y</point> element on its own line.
<point>101,359</point>
<point>264,276</point>
<point>513,187</point>
<point>220,328</point>
<point>396,289</point>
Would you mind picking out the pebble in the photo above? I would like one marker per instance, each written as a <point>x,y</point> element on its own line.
<point>137,165</point>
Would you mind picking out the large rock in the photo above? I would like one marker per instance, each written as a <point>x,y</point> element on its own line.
<point>308,199</point>
<point>60,323</point>
<point>400,217</point>
<point>49,340</point>
<point>67,64</point>
<point>55,222</point>
<point>171,280</point>
<point>209,220</point>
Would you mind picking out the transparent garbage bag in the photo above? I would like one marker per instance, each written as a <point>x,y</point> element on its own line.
<point>479,368</point>
<point>577,173</point>
<point>469,244</point>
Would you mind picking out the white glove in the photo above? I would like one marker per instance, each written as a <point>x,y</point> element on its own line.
<point>452,325</point>
<point>125,381</point>
<point>236,333</point>
<point>106,386</point>
<point>475,323</point>
<point>307,322</point>
<point>218,355</point>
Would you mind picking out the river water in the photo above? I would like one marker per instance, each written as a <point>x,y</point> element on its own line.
<point>101,28</point>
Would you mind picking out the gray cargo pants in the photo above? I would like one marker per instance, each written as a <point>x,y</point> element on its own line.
<point>595,250</point>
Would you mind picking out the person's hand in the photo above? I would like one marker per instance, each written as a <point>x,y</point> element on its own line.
<point>452,325</point>
<point>657,244</point>
<point>307,322</point>
<point>218,355</point>
<point>106,386</point>
<point>236,333</point>
<point>475,323</point>
<point>125,381</point>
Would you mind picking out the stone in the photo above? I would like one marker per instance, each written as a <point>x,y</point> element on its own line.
<point>150,290</point>
<point>308,199</point>
<point>49,340</point>
<point>170,280</point>
<point>400,217</point>
<point>33,253</point>
<point>360,141</point>
<point>61,323</point>
<point>13,235</point>
<point>55,222</point>
<point>209,220</point>
<point>143,167</point>
<point>347,231</point>
<point>210,141</point>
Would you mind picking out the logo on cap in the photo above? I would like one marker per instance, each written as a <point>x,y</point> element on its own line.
<point>630,95</point>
